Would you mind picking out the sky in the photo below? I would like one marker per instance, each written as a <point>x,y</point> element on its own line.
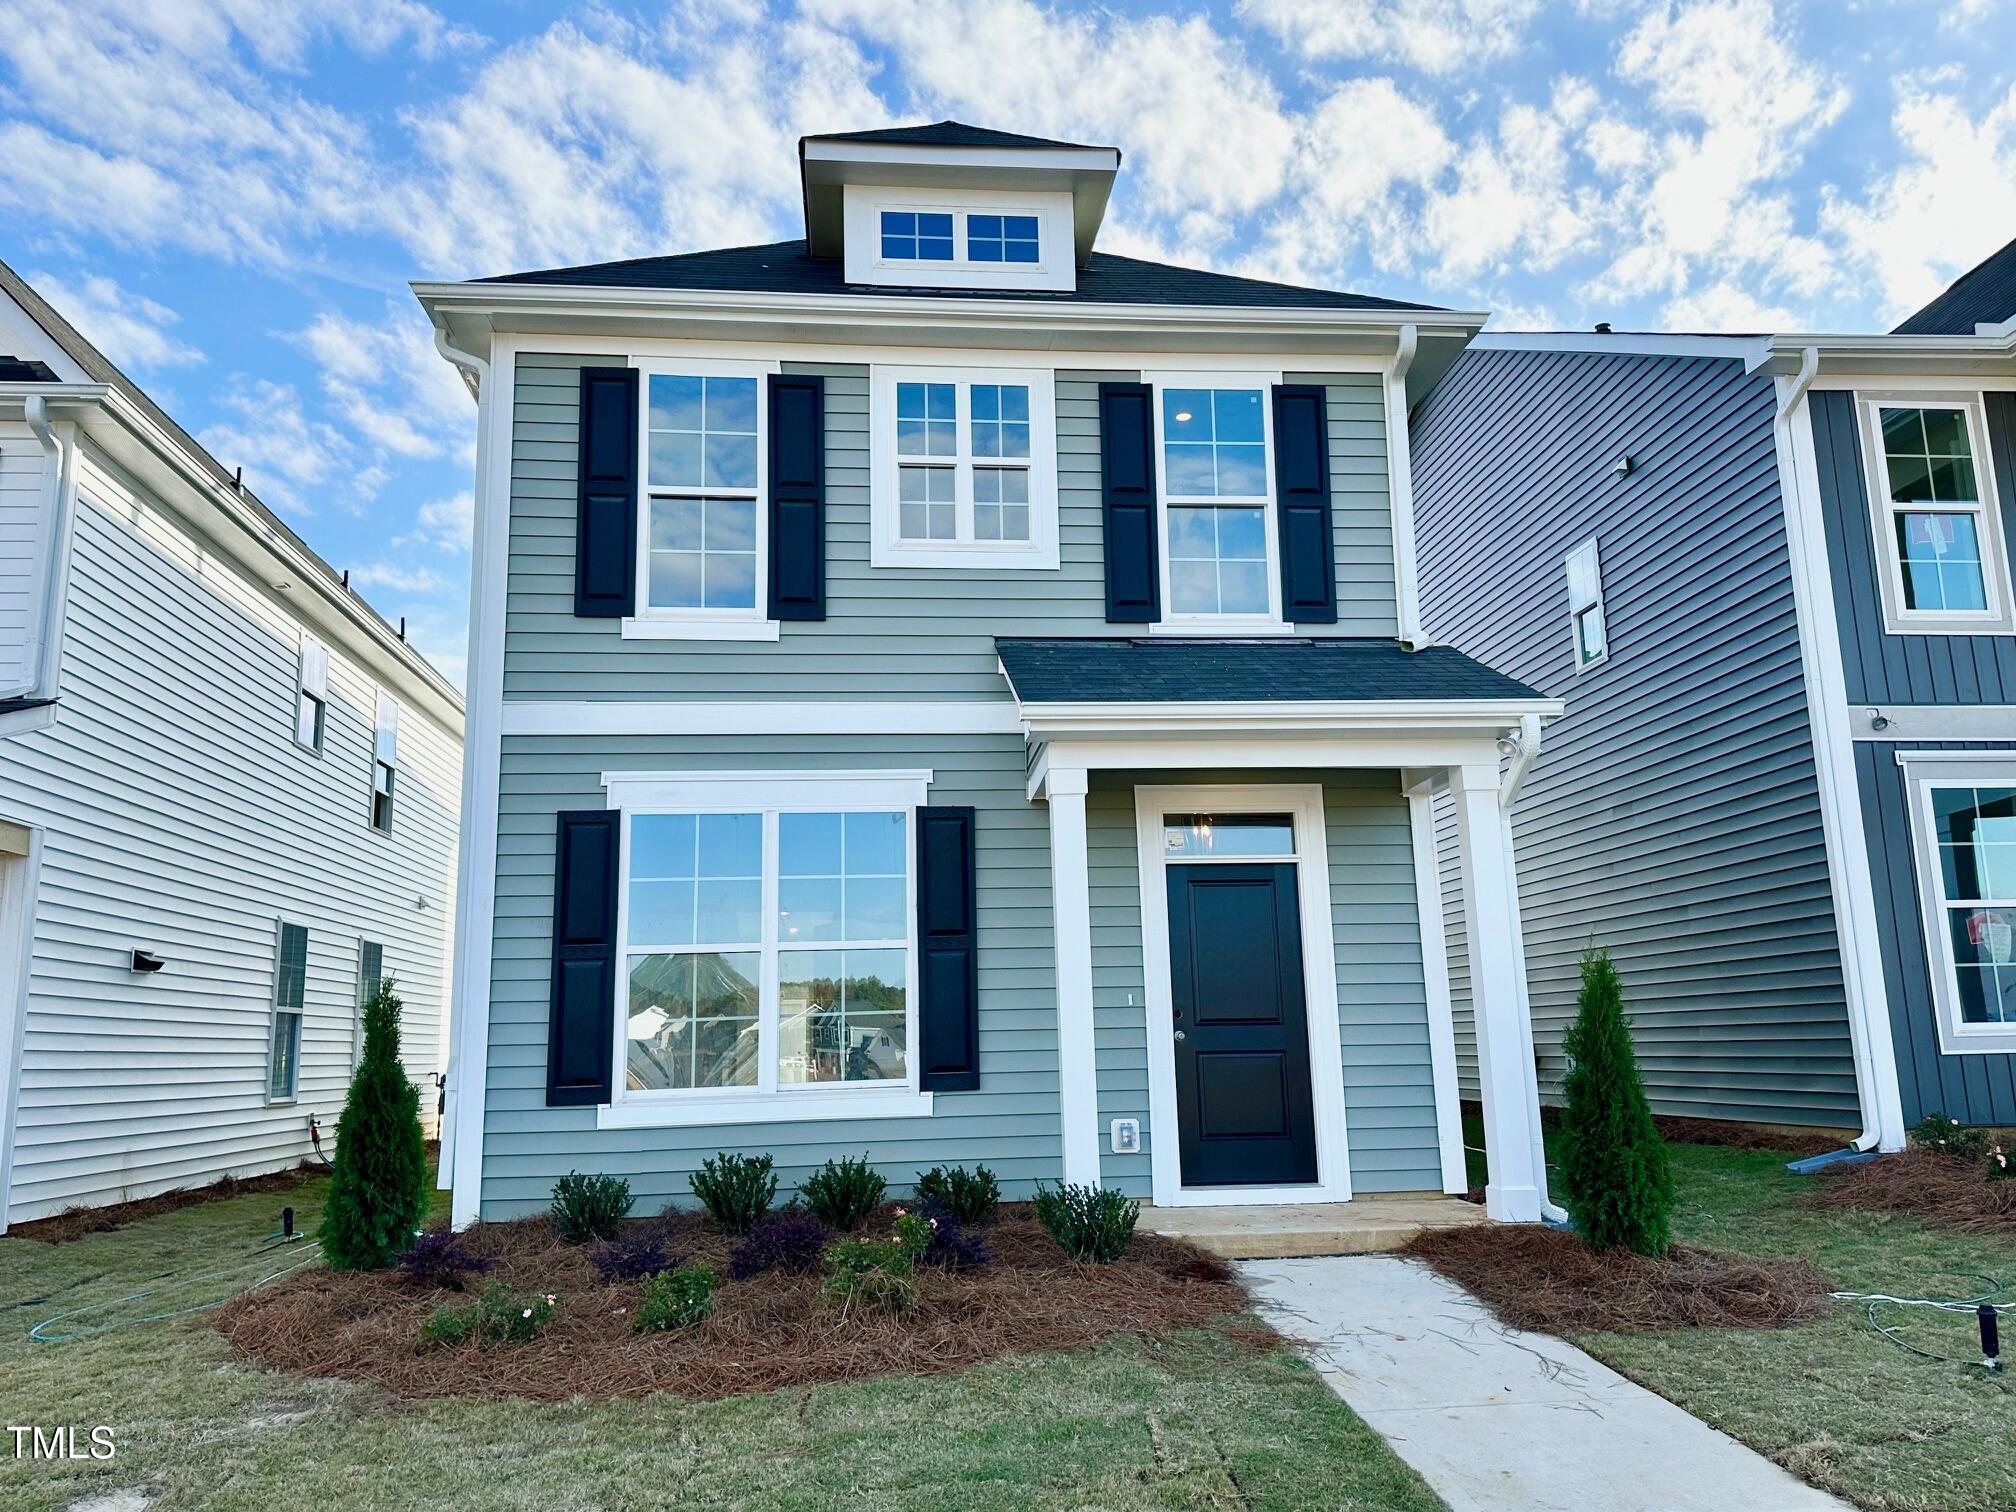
<point>229,197</point>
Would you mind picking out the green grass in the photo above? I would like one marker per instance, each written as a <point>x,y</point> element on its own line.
<point>1187,1423</point>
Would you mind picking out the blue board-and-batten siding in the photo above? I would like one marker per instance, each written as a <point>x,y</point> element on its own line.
<point>1673,816</point>
<point>1978,1089</point>
<point>1902,669</point>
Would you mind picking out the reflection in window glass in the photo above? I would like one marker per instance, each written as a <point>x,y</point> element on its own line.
<point>1941,557</point>
<point>692,1021</point>
<point>1214,444</point>
<point>842,1016</point>
<point>1000,504</point>
<point>702,432</point>
<point>927,420</point>
<point>703,554</point>
<point>926,506</point>
<point>1975,828</point>
<point>1217,560</point>
<point>1188,836</point>
<point>1000,419</point>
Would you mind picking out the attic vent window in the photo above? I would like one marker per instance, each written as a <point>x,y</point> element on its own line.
<point>916,236</point>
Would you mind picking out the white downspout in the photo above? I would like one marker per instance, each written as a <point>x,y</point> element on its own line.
<point>461,1019</point>
<point>1400,483</point>
<point>1525,751</point>
<point>40,647</point>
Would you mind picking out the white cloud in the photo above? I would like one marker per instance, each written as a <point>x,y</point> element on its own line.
<point>1947,205</point>
<point>1516,198</point>
<point>1436,36</point>
<point>389,384</point>
<point>286,456</point>
<point>129,328</point>
<point>447,524</point>
<point>1724,308</point>
<point>399,578</point>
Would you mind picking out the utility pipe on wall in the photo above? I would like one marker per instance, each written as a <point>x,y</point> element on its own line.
<point>39,661</point>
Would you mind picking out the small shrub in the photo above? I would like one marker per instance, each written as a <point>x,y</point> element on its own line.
<point>844,1193</point>
<point>441,1259</point>
<point>1949,1136</point>
<point>736,1190</point>
<point>589,1207</point>
<point>952,1243</point>
<point>875,1274</point>
<point>499,1317</point>
<point>791,1242</point>
<point>2000,1167</point>
<point>973,1197</point>
<point>628,1257</point>
<point>1616,1181</point>
<point>676,1298</point>
<point>1088,1222</point>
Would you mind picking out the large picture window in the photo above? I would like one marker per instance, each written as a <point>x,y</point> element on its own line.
<point>1213,435</point>
<point>1938,532</point>
<point>1964,829</point>
<point>766,940</point>
<point>965,468</point>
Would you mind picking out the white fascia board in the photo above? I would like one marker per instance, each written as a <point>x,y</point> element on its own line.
<point>1055,159</point>
<point>1859,355</point>
<point>1747,349</point>
<point>1184,720</point>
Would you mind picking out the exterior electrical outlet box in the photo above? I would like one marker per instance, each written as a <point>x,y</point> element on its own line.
<point>1126,1136</point>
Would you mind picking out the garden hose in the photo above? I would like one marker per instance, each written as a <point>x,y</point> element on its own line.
<point>309,1253</point>
<point>1986,1311</point>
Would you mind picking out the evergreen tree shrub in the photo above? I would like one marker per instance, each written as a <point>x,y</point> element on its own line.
<point>1615,1180</point>
<point>378,1180</point>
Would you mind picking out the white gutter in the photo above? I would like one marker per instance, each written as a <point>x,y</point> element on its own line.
<point>41,648</point>
<point>1525,749</point>
<point>1400,485</point>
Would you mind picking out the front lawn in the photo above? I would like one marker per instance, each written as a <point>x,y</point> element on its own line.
<point>1190,1421</point>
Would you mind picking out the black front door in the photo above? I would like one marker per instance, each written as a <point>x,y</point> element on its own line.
<point>1244,1110</point>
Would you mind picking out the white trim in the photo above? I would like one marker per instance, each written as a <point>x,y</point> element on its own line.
<point>1999,617</point>
<point>1748,349</point>
<point>1841,827</point>
<point>693,623</point>
<point>19,878</point>
<point>1371,356</point>
<point>1172,621</point>
<point>888,548</point>
<point>1922,777</point>
<point>1071,923</point>
<point>1285,716</point>
<point>1054,271</point>
<point>918,716</point>
<point>770,795</point>
<point>1319,980</point>
<point>1400,490</point>
<point>1932,722</point>
<point>1435,991</point>
<point>482,759</point>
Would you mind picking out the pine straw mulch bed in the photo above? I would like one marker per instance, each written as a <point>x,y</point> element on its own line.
<point>1550,1281</point>
<point>1746,1136</point>
<point>1941,1191</point>
<point>81,1222</point>
<point>769,1332</point>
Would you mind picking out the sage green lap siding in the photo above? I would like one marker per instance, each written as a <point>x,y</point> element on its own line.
<point>1010,1124</point>
<point>890,632</point>
<point>1389,1093</point>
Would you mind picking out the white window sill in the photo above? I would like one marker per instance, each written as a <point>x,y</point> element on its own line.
<point>949,554</point>
<point>1932,624</point>
<point>1982,1039</point>
<point>1210,625</point>
<point>779,1107</point>
<point>641,628</point>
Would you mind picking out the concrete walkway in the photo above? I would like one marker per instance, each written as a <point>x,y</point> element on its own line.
<point>1502,1420</point>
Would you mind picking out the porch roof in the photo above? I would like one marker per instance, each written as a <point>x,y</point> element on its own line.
<point>1281,669</point>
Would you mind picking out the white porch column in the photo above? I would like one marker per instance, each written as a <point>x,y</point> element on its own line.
<point>1505,1075</point>
<point>1071,913</point>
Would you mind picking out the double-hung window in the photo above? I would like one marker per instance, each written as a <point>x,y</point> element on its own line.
<point>311,695</point>
<point>384,763</point>
<point>701,561</point>
<point>1963,824</point>
<point>1219,549</point>
<point>1938,530</point>
<point>767,960</point>
<point>290,996</point>
<point>1586,625</point>
<point>965,467</point>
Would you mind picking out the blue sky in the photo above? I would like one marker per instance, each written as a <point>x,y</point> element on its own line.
<point>229,196</point>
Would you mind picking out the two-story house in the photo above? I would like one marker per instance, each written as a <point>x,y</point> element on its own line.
<point>228,803</point>
<point>941,690</point>
<point>1770,578</point>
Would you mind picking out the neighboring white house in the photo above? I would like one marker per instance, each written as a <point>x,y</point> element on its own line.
<point>228,801</point>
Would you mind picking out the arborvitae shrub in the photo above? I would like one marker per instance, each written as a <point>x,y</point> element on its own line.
<point>1615,1180</point>
<point>378,1180</point>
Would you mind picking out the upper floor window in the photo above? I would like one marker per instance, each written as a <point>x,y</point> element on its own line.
<point>1938,531</point>
<point>1590,634</point>
<point>384,763</point>
<point>1219,535</point>
<point>917,235</point>
<point>701,560</point>
<point>965,468</point>
<point>1003,238</point>
<point>311,695</point>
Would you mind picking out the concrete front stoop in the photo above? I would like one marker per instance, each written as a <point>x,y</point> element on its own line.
<point>1365,1226</point>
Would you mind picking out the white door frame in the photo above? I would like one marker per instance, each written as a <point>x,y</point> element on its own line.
<point>1303,802</point>
<point>17,945</point>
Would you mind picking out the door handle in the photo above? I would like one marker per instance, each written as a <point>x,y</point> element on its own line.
<point>1179,1034</point>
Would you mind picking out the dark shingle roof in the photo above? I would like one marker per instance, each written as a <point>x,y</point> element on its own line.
<point>1984,295</point>
<point>786,268</point>
<point>25,370</point>
<point>1160,670</point>
<point>945,134</point>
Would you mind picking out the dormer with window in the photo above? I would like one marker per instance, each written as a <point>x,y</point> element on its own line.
<point>955,207</point>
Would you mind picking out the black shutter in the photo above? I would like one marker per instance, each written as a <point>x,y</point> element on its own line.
<point>605,514</point>
<point>1127,485</point>
<point>580,1033</point>
<point>797,497</point>
<point>948,980</point>
<point>1302,484</point>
